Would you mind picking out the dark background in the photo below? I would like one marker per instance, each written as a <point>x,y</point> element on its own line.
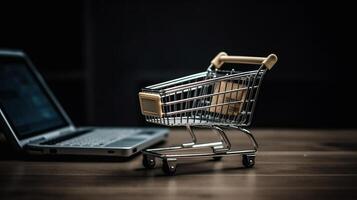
<point>96,55</point>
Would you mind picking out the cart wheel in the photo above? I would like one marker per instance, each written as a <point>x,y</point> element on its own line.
<point>248,160</point>
<point>169,167</point>
<point>217,158</point>
<point>149,161</point>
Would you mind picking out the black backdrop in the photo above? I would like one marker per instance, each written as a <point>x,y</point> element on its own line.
<point>96,55</point>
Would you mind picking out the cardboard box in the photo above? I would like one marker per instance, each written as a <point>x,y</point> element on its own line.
<point>230,96</point>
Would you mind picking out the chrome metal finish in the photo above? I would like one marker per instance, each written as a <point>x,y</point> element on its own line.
<point>215,99</point>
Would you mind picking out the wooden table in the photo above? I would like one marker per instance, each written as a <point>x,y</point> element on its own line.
<point>291,164</point>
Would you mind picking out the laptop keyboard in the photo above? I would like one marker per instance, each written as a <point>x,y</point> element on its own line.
<point>98,138</point>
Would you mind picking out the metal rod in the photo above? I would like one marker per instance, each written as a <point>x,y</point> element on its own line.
<point>223,137</point>
<point>193,136</point>
<point>199,108</point>
<point>207,95</point>
<point>207,81</point>
<point>195,155</point>
<point>250,136</point>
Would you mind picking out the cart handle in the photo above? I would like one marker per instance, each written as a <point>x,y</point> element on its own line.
<point>222,57</point>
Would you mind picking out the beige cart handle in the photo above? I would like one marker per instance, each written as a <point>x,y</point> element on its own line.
<point>222,57</point>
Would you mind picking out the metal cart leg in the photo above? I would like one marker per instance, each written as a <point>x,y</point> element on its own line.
<point>193,136</point>
<point>224,140</point>
<point>250,136</point>
<point>248,160</point>
<point>170,155</point>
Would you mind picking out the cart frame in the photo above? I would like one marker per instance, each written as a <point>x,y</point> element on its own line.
<point>200,100</point>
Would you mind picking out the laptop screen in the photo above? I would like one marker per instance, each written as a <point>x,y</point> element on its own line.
<point>25,103</point>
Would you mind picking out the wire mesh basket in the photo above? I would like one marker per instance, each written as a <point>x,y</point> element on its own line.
<point>214,99</point>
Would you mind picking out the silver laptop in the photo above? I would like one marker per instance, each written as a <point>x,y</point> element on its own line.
<point>33,120</point>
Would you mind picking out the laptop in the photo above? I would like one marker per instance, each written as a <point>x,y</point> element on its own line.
<point>33,120</point>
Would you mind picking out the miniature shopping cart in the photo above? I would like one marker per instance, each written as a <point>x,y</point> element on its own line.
<point>214,99</point>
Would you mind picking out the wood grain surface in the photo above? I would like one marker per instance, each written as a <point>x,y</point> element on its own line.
<point>291,164</point>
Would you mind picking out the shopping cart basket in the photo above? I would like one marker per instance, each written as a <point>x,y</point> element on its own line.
<point>214,99</point>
